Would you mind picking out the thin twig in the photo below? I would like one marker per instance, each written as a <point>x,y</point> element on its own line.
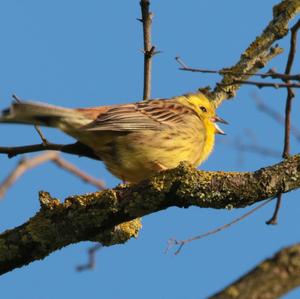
<point>76,148</point>
<point>274,115</point>
<point>288,110</point>
<point>39,131</point>
<point>181,243</point>
<point>37,128</point>
<point>292,52</point>
<point>254,148</point>
<point>26,164</point>
<point>22,167</point>
<point>149,50</point>
<point>16,98</point>
<point>290,93</point>
<point>259,84</point>
<point>271,73</point>
<point>274,219</point>
<point>92,258</point>
<point>59,161</point>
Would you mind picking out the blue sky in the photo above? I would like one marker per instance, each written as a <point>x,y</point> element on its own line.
<point>86,53</point>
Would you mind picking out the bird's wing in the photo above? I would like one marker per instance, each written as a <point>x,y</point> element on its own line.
<point>150,115</point>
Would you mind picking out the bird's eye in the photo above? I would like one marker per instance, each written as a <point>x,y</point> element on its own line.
<point>203,109</point>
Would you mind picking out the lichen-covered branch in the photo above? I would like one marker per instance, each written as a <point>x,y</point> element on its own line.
<point>271,279</point>
<point>106,216</point>
<point>259,53</point>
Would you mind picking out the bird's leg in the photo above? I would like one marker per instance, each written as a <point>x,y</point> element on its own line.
<point>158,167</point>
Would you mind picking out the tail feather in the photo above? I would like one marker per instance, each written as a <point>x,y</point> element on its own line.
<point>43,114</point>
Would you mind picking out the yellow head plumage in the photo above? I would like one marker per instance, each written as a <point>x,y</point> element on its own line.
<point>205,109</point>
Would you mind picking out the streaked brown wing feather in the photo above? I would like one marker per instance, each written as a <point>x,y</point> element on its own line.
<point>151,115</point>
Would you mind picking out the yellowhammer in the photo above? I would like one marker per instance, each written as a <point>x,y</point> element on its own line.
<point>133,140</point>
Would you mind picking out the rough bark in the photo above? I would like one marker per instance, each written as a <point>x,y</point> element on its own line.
<point>107,216</point>
<point>259,53</point>
<point>270,279</point>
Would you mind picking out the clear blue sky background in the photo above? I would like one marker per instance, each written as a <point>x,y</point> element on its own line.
<point>85,53</point>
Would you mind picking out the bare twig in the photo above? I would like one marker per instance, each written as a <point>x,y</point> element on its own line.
<point>260,51</point>
<point>92,258</point>
<point>59,161</point>
<point>292,52</point>
<point>271,73</point>
<point>275,115</point>
<point>274,219</point>
<point>149,50</point>
<point>252,148</point>
<point>264,84</point>
<point>290,93</point>
<point>16,98</point>
<point>22,167</point>
<point>76,148</point>
<point>37,128</point>
<point>39,131</point>
<point>26,164</point>
<point>288,110</point>
<point>181,243</point>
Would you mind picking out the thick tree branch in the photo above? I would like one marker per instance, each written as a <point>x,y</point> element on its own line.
<point>259,53</point>
<point>272,278</point>
<point>100,216</point>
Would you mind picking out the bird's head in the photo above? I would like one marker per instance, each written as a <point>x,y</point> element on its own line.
<point>205,110</point>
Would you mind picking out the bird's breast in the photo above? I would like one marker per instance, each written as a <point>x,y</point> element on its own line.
<point>138,155</point>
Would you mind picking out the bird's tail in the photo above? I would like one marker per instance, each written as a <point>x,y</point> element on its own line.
<point>43,114</point>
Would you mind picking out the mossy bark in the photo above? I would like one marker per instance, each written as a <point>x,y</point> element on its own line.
<point>258,54</point>
<point>103,216</point>
<point>270,279</point>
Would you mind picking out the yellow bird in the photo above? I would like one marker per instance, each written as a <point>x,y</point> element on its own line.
<point>133,140</point>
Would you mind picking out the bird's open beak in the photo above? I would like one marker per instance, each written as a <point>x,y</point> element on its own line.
<point>216,119</point>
